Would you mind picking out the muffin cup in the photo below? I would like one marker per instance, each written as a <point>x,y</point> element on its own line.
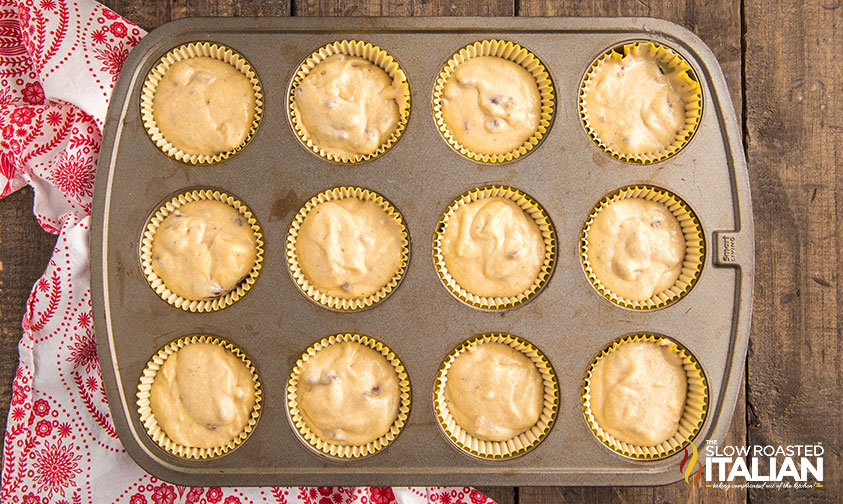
<point>692,263</point>
<point>374,55</point>
<point>338,451</point>
<point>511,52</point>
<point>533,210</point>
<point>693,416</point>
<point>518,445</point>
<point>187,51</point>
<point>690,91</point>
<point>157,284</point>
<point>334,302</point>
<point>147,416</point>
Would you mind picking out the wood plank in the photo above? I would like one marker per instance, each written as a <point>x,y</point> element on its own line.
<point>718,24</point>
<point>404,8</point>
<point>150,14</point>
<point>25,250</point>
<point>794,109</point>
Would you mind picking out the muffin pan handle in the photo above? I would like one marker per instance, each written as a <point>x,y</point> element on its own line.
<point>730,249</point>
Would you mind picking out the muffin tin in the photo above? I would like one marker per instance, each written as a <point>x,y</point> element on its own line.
<point>421,321</point>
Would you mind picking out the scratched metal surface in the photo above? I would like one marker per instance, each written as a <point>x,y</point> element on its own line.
<point>421,321</point>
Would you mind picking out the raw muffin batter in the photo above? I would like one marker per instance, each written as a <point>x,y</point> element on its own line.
<point>348,394</point>
<point>202,396</point>
<point>348,106</point>
<point>494,392</point>
<point>492,248</point>
<point>638,392</point>
<point>636,248</point>
<point>635,105</point>
<point>349,248</point>
<point>203,250</point>
<point>491,105</point>
<point>204,106</point>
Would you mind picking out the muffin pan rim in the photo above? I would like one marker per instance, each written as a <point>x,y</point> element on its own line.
<point>741,256</point>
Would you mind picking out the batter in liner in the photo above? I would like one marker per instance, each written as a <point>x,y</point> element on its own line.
<point>492,248</point>
<point>635,105</point>
<point>349,248</point>
<point>202,396</point>
<point>204,106</point>
<point>636,248</point>
<point>203,249</point>
<point>638,392</point>
<point>494,392</point>
<point>348,106</point>
<point>348,394</point>
<point>491,105</point>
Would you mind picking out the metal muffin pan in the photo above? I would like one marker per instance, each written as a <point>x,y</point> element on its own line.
<point>421,321</point>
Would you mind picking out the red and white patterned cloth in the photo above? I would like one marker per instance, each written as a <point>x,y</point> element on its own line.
<point>59,61</point>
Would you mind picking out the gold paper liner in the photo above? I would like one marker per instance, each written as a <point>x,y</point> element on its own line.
<point>693,416</point>
<point>147,416</point>
<point>374,55</point>
<point>691,91</point>
<point>157,284</point>
<point>334,302</point>
<point>520,444</point>
<point>186,51</point>
<point>508,51</point>
<point>692,264</point>
<point>533,210</point>
<point>338,451</point>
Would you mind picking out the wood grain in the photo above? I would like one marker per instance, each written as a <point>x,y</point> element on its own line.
<point>795,152</point>
<point>718,24</point>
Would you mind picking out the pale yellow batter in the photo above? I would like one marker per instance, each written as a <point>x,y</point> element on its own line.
<point>494,392</point>
<point>635,105</point>
<point>203,250</point>
<point>491,105</point>
<point>202,396</point>
<point>204,106</point>
<point>348,106</point>
<point>492,248</point>
<point>636,248</point>
<point>638,392</point>
<point>349,248</point>
<point>348,394</point>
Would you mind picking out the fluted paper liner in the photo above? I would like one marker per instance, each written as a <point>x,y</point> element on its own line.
<point>334,450</point>
<point>518,445</point>
<point>334,302</point>
<point>690,91</point>
<point>147,416</point>
<point>693,416</point>
<point>374,55</point>
<point>158,285</point>
<point>692,263</point>
<point>534,211</point>
<point>187,51</point>
<point>508,51</point>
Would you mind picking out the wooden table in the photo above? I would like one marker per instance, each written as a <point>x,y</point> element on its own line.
<point>782,65</point>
